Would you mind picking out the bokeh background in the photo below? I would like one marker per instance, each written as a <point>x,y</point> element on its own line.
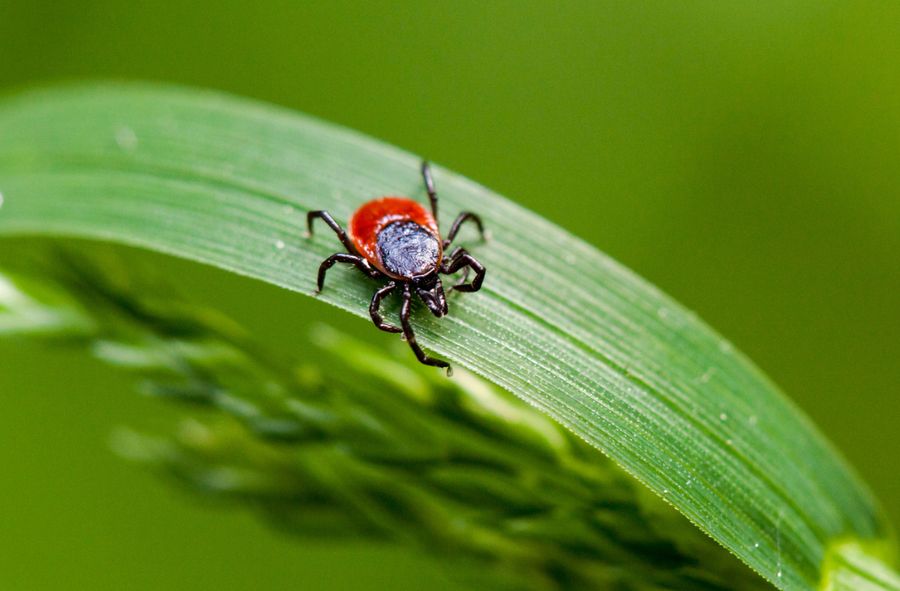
<point>744,156</point>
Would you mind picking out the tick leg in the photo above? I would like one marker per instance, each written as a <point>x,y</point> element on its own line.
<point>429,186</point>
<point>411,337</point>
<point>324,215</point>
<point>376,304</point>
<point>463,259</point>
<point>342,257</point>
<point>459,221</point>
<point>463,279</point>
<point>450,259</point>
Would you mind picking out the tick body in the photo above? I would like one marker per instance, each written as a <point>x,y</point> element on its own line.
<point>398,237</point>
<point>398,240</point>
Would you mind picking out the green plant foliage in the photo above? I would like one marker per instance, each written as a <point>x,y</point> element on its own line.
<point>386,449</point>
<point>226,182</point>
<point>850,567</point>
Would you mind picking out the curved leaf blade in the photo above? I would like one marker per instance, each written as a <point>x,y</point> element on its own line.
<point>226,182</point>
<point>851,567</point>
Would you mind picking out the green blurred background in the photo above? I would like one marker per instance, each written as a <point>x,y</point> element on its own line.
<point>745,157</point>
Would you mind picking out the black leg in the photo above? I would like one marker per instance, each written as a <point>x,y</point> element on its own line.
<point>429,186</point>
<point>376,304</point>
<point>459,221</point>
<point>464,259</point>
<point>324,215</point>
<point>450,259</point>
<point>411,337</point>
<point>343,257</point>
<point>463,279</point>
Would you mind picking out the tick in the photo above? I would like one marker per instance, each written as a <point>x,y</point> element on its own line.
<point>397,239</point>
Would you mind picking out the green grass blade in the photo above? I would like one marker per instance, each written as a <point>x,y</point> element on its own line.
<point>850,567</point>
<point>226,182</point>
<point>385,449</point>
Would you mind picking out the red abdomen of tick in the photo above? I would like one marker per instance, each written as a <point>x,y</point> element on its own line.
<point>372,217</point>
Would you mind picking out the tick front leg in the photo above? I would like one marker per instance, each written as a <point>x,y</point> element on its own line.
<point>462,259</point>
<point>376,304</point>
<point>342,257</point>
<point>450,259</point>
<point>411,337</point>
<point>459,221</point>
<point>326,217</point>
<point>429,187</point>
